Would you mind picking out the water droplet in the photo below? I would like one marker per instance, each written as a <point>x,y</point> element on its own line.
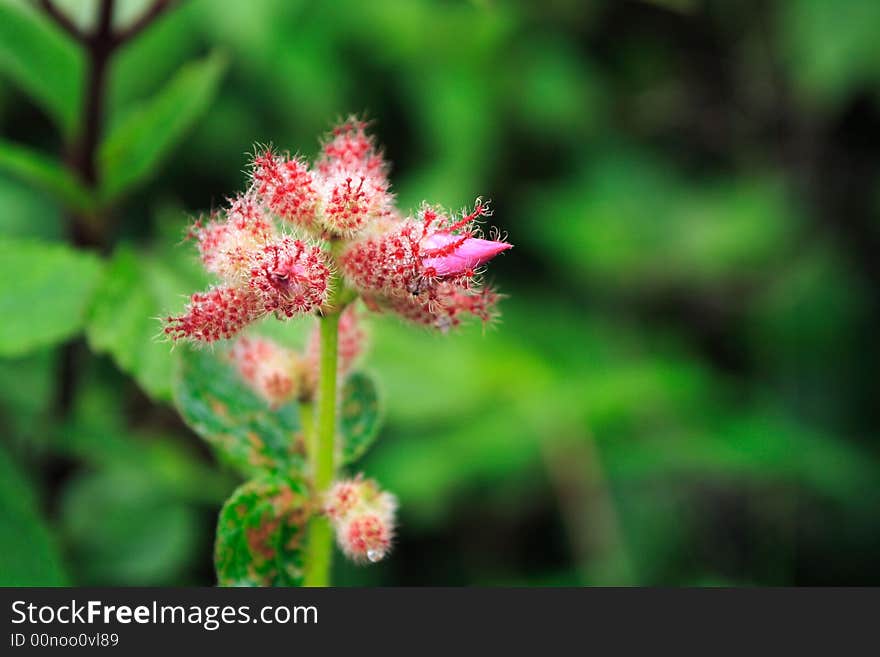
<point>374,555</point>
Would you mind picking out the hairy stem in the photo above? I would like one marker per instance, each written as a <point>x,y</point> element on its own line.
<point>320,548</point>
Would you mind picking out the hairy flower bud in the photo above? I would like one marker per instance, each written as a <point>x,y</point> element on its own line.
<point>350,148</point>
<point>365,537</point>
<point>225,243</point>
<point>363,517</point>
<point>273,372</point>
<point>350,200</point>
<point>287,186</point>
<point>218,314</point>
<point>412,254</point>
<point>290,277</point>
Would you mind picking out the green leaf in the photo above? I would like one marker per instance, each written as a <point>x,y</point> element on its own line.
<point>42,61</point>
<point>138,143</point>
<point>30,556</point>
<point>29,213</point>
<point>98,432</point>
<point>45,292</point>
<point>122,530</point>
<point>123,321</point>
<point>45,173</point>
<point>359,416</point>
<point>260,534</point>
<point>830,48</point>
<point>246,433</point>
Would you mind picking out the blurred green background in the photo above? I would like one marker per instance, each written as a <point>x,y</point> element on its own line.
<point>684,386</point>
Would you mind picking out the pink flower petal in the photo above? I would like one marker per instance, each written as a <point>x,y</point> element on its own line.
<point>472,253</point>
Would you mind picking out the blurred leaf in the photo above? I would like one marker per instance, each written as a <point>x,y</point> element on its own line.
<point>358,416</point>
<point>556,93</point>
<point>246,433</point>
<point>45,292</point>
<point>122,531</point>
<point>135,147</point>
<point>99,433</point>
<point>43,61</point>
<point>30,556</point>
<point>632,222</point>
<point>752,444</point>
<point>28,213</point>
<point>26,387</point>
<point>144,65</point>
<point>260,534</point>
<point>135,291</point>
<point>809,331</point>
<point>45,173</point>
<point>831,48</point>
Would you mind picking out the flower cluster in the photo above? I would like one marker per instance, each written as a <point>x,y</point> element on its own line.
<point>363,518</point>
<point>425,268</point>
<point>274,248</point>
<point>262,271</point>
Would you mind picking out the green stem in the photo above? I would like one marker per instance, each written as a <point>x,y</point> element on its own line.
<point>320,549</point>
<point>307,417</point>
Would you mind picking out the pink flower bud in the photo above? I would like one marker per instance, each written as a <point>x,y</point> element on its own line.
<point>365,537</point>
<point>272,371</point>
<point>217,314</point>
<point>226,243</point>
<point>290,277</point>
<point>342,498</point>
<point>351,200</point>
<point>363,517</point>
<point>350,148</point>
<point>286,186</point>
<point>466,254</point>
<point>410,255</point>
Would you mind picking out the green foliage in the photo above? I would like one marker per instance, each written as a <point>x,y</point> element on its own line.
<point>122,530</point>
<point>98,433</point>
<point>682,308</point>
<point>358,416</point>
<point>46,291</point>
<point>261,532</point>
<point>42,61</point>
<point>218,406</point>
<point>136,290</point>
<point>831,47</point>
<point>30,554</point>
<point>147,134</point>
<point>45,173</point>
<point>28,213</point>
<point>26,386</point>
<point>631,222</point>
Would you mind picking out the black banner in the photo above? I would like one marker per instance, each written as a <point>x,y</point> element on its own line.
<point>372,621</point>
